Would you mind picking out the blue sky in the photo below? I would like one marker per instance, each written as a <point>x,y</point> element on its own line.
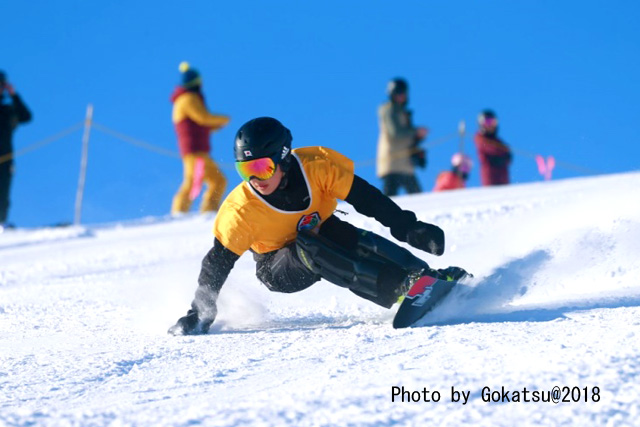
<point>562,76</point>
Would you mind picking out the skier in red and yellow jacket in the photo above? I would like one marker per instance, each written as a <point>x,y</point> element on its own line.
<point>283,213</point>
<point>193,124</point>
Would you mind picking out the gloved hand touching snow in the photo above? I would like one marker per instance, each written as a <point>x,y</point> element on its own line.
<point>201,315</point>
<point>420,235</point>
<point>191,324</point>
<point>427,237</point>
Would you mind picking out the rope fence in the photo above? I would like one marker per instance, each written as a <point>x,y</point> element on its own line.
<point>405,153</point>
<point>89,124</point>
<point>563,165</point>
<point>40,144</point>
<point>136,142</point>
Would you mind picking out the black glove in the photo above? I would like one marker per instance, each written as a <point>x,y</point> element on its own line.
<point>190,325</point>
<point>403,221</point>
<point>185,325</point>
<point>427,237</point>
<point>201,315</point>
<point>419,159</point>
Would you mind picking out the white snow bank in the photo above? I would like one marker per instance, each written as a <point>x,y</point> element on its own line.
<point>555,302</point>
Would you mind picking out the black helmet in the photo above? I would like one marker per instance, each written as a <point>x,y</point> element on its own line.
<point>484,115</point>
<point>264,137</point>
<point>397,86</point>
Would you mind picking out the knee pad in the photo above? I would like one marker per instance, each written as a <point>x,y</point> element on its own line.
<point>375,271</point>
<point>372,245</point>
<point>281,271</point>
<point>336,265</point>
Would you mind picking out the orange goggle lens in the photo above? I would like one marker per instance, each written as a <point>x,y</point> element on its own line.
<point>261,169</point>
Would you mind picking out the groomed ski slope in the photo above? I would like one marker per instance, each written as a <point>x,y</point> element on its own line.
<point>556,302</point>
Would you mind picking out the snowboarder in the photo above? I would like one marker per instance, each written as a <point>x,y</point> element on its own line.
<point>283,212</point>
<point>193,125</point>
<point>12,112</point>
<point>456,177</point>
<point>398,142</point>
<point>495,156</point>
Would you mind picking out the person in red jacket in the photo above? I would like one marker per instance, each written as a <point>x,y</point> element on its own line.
<point>193,124</point>
<point>456,177</point>
<point>495,156</point>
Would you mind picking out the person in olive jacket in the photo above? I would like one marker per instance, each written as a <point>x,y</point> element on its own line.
<point>398,150</point>
<point>13,111</point>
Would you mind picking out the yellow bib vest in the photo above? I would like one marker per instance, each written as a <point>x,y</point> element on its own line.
<point>246,221</point>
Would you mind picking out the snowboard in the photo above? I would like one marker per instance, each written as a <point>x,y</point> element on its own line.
<point>423,297</point>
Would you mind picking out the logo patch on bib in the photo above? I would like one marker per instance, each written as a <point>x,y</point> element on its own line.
<point>309,222</point>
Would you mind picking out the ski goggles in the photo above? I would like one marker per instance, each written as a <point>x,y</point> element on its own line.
<point>262,168</point>
<point>489,122</point>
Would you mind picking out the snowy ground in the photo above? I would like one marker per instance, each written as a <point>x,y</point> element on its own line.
<point>555,302</point>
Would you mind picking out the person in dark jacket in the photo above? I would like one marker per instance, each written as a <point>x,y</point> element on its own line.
<point>13,111</point>
<point>495,156</point>
<point>283,213</point>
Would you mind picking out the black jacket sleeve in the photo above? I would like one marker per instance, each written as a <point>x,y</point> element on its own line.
<point>216,266</point>
<point>369,201</point>
<point>22,112</point>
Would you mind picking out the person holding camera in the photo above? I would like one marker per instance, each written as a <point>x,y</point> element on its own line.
<point>13,111</point>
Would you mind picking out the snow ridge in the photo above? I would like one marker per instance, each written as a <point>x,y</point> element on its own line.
<point>554,302</point>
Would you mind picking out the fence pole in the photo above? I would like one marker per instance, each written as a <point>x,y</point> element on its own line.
<point>462,127</point>
<point>83,165</point>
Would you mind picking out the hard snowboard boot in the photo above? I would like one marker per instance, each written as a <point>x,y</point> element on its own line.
<point>453,274</point>
<point>450,274</point>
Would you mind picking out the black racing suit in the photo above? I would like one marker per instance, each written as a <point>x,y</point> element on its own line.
<point>282,270</point>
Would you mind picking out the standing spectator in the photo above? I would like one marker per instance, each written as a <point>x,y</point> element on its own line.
<point>12,112</point>
<point>398,151</point>
<point>495,156</point>
<point>193,125</point>
<point>456,177</point>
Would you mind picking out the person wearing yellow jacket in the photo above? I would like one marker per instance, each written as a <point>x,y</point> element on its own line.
<point>193,124</point>
<point>283,213</point>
